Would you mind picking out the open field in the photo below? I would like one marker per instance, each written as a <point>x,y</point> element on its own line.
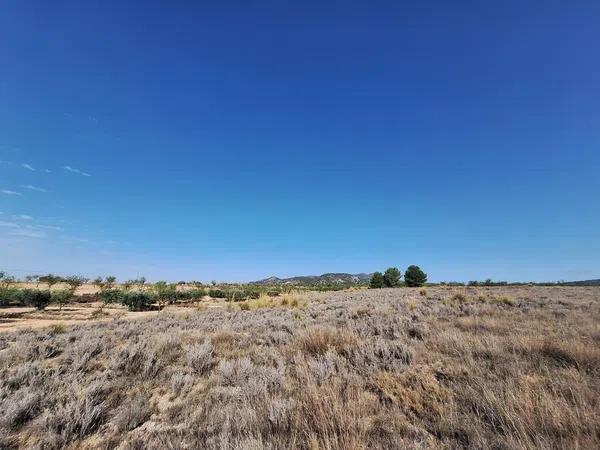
<point>505,368</point>
<point>19,317</point>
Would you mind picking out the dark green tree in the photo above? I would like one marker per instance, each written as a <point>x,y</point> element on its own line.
<point>391,277</point>
<point>377,281</point>
<point>414,276</point>
<point>37,298</point>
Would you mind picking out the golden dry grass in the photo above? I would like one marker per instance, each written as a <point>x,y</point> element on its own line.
<point>378,369</point>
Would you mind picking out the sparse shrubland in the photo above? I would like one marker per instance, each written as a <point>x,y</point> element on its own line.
<point>381,369</point>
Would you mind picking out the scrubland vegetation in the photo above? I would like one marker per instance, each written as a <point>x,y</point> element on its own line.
<point>428,367</point>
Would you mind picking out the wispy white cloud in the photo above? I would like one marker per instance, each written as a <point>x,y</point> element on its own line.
<point>22,217</point>
<point>34,188</point>
<point>28,233</point>
<point>77,171</point>
<point>28,167</point>
<point>8,224</point>
<point>9,192</point>
<point>49,227</point>
<point>74,238</point>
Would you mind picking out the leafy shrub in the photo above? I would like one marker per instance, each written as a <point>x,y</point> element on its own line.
<point>415,277</point>
<point>166,292</point>
<point>251,293</point>
<point>138,301</point>
<point>377,281</point>
<point>62,296</point>
<point>196,294</point>
<point>34,297</point>
<point>10,295</point>
<point>235,295</point>
<point>109,296</point>
<point>391,277</point>
<point>217,293</point>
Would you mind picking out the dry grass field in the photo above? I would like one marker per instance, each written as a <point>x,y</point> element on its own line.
<point>477,368</point>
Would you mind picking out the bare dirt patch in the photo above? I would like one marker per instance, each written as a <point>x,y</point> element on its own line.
<point>16,318</point>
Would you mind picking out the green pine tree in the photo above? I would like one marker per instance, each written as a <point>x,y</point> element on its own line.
<point>414,276</point>
<point>391,277</point>
<point>377,281</point>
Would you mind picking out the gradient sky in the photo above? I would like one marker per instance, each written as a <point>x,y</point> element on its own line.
<point>238,140</point>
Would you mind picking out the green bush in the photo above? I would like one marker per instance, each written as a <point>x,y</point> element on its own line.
<point>167,292</point>
<point>35,297</point>
<point>61,297</point>
<point>10,295</point>
<point>252,293</point>
<point>138,301</point>
<point>235,295</point>
<point>377,281</point>
<point>109,296</point>
<point>415,277</point>
<point>196,294</point>
<point>217,293</point>
<point>391,277</point>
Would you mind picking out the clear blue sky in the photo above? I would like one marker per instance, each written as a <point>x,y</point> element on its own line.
<point>237,140</point>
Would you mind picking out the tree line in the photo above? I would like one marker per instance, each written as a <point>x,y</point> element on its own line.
<point>392,277</point>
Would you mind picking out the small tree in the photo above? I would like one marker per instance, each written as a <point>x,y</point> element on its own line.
<point>6,281</point>
<point>377,281</point>
<point>50,280</point>
<point>137,300</point>
<point>141,281</point>
<point>165,293</point>
<point>7,292</point>
<point>391,277</point>
<point>109,296</point>
<point>415,277</point>
<point>75,282</point>
<point>61,297</point>
<point>99,283</point>
<point>109,283</point>
<point>33,279</point>
<point>37,298</point>
<point>127,285</point>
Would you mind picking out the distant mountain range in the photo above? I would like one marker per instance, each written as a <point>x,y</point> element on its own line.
<point>329,279</point>
<point>318,280</point>
<point>582,283</point>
